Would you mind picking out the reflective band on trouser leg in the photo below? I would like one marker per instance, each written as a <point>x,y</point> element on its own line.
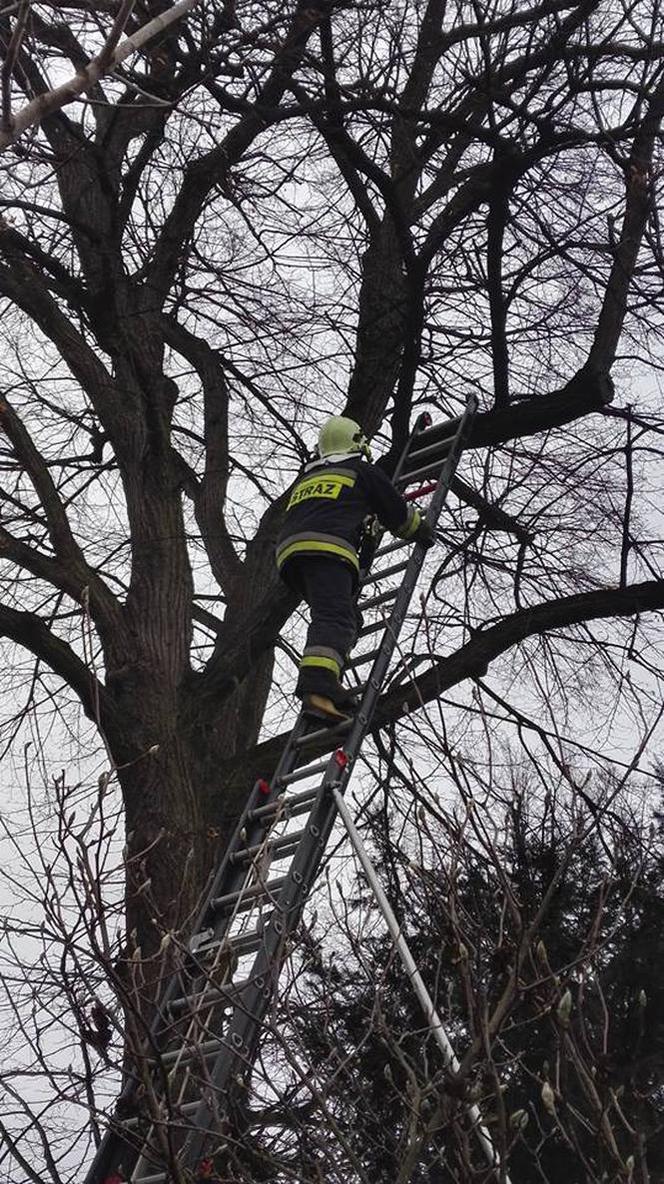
<point>321,662</point>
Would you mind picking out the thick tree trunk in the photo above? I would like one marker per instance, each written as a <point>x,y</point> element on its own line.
<point>179,811</point>
<point>382,326</point>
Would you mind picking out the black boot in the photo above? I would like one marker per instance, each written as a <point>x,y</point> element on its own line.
<point>323,696</point>
<point>343,698</point>
<point>322,708</point>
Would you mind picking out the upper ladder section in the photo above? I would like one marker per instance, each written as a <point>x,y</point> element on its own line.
<point>197,1064</point>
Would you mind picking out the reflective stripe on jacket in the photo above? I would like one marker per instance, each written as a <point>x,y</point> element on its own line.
<point>328,505</point>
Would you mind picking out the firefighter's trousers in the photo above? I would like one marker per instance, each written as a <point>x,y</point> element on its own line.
<point>328,586</point>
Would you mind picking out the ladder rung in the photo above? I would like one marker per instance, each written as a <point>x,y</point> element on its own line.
<point>374,601</point>
<point>389,548</point>
<point>302,774</point>
<point>362,658</point>
<point>282,844</point>
<point>183,1111</point>
<point>430,470</point>
<point>246,897</point>
<point>204,1050</point>
<point>313,737</point>
<point>240,943</point>
<point>285,807</point>
<point>374,627</point>
<point>387,571</point>
<point>160,1178</point>
<point>422,453</point>
<point>212,996</point>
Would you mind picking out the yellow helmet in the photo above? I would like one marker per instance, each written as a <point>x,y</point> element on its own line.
<point>340,434</point>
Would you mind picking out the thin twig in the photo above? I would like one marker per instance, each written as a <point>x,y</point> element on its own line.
<point>626,543</point>
<point>10,62</point>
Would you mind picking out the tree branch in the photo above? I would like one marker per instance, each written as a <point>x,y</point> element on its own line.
<point>69,570</point>
<point>210,494</point>
<point>331,126</point>
<point>406,162</point>
<point>106,60</point>
<point>34,464</point>
<point>473,659</point>
<point>10,62</point>
<point>28,630</point>
<point>638,204</point>
<point>213,168</point>
<point>587,391</point>
<point>23,284</point>
<point>492,516</point>
<point>497,218</point>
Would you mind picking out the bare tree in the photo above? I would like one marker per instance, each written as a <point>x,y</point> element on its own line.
<point>263,215</point>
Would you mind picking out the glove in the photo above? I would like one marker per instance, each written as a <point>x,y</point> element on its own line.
<point>425,535</point>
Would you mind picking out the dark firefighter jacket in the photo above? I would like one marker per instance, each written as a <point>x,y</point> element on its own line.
<point>328,505</point>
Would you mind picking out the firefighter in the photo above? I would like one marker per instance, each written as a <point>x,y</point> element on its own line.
<point>317,554</point>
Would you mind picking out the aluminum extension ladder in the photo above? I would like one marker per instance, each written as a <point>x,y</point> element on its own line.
<point>206,1033</point>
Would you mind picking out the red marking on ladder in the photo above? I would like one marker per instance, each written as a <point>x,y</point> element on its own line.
<point>341,758</point>
<point>424,489</point>
<point>263,786</point>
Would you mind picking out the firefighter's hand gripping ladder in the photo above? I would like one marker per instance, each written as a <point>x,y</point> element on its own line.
<point>206,1034</point>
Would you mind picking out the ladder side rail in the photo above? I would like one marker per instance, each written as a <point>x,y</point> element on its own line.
<point>427,1004</point>
<point>370,546</point>
<point>404,596</point>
